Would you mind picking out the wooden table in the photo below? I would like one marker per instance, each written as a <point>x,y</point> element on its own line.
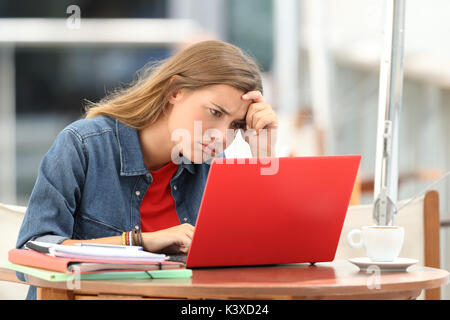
<point>334,280</point>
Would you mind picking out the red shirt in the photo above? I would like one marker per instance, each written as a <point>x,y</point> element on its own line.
<point>158,207</point>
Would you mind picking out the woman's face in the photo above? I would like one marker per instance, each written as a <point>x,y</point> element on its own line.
<point>206,117</point>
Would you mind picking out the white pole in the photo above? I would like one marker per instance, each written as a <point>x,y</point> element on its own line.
<point>389,105</point>
<point>319,69</point>
<point>286,55</point>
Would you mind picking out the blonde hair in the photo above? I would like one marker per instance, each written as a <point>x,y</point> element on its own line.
<point>203,64</point>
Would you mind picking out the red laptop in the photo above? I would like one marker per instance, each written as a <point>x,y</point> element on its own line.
<point>272,210</point>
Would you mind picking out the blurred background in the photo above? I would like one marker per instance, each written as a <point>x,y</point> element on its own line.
<point>320,62</point>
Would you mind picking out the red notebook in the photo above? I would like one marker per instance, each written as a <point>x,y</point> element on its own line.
<point>40,260</point>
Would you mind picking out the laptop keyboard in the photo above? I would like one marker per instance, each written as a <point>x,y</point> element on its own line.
<point>181,257</point>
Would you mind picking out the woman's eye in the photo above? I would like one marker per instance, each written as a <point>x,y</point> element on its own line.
<point>215,113</point>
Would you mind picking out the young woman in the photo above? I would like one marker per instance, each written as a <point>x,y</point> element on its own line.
<point>140,158</point>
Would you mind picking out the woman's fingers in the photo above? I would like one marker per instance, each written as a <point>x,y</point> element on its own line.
<point>260,114</point>
<point>181,243</point>
<point>261,119</point>
<point>188,226</point>
<point>188,229</point>
<point>252,110</point>
<point>185,244</point>
<point>174,239</point>
<point>256,96</point>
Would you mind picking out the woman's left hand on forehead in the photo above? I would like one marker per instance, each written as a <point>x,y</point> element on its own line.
<point>260,114</point>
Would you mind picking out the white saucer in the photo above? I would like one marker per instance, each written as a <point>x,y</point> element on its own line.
<point>399,264</point>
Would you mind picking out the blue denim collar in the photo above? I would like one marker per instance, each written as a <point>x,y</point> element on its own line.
<point>131,158</point>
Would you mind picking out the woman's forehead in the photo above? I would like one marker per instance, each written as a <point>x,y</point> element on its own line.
<point>226,97</point>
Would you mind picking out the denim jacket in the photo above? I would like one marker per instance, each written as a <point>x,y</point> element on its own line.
<point>91,183</point>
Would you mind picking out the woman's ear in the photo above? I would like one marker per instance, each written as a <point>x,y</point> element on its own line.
<point>177,94</point>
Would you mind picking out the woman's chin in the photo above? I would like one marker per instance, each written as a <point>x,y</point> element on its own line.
<point>199,157</point>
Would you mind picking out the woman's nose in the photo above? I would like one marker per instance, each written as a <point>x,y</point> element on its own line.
<point>218,136</point>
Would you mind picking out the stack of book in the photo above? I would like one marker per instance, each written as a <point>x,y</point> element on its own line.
<point>92,262</point>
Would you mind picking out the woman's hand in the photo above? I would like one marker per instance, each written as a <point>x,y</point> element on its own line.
<point>260,115</point>
<point>169,241</point>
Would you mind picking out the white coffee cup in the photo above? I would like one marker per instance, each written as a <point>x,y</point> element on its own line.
<point>382,243</point>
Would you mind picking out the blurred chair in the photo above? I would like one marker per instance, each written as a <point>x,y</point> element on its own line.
<point>355,198</point>
<point>420,218</point>
<point>10,221</point>
<point>420,175</point>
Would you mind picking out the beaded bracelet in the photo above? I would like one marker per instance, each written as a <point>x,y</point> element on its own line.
<point>130,238</point>
<point>133,237</point>
<point>137,237</point>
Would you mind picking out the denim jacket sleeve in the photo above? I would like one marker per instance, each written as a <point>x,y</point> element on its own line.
<point>58,188</point>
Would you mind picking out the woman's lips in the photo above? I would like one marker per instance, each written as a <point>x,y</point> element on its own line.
<point>208,149</point>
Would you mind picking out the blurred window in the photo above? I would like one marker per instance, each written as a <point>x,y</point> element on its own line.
<point>52,82</point>
<point>250,28</point>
